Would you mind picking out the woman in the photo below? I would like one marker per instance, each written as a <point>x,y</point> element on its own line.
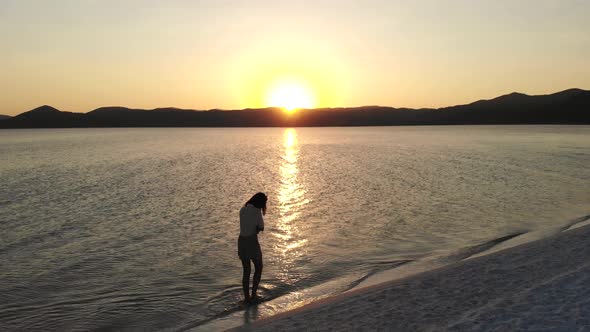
<point>251,223</point>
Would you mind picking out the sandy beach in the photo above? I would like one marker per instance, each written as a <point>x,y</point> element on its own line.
<point>541,285</point>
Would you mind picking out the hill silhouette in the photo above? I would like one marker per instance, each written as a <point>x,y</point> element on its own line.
<point>566,107</point>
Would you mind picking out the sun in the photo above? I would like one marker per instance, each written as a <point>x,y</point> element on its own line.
<point>290,95</point>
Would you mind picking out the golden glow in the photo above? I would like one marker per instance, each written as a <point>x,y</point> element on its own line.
<point>290,95</point>
<point>291,194</point>
<point>289,76</point>
<point>291,202</point>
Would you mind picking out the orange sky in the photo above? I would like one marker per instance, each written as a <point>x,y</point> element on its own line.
<point>80,55</point>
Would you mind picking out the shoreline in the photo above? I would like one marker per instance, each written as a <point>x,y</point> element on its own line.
<point>528,286</point>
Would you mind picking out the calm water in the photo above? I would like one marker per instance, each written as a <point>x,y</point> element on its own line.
<point>136,228</point>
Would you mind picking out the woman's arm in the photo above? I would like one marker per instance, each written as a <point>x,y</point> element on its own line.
<point>260,222</point>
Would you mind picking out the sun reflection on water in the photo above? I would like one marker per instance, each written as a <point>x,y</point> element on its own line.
<point>291,201</point>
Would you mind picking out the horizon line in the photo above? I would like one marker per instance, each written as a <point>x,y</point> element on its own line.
<point>299,109</point>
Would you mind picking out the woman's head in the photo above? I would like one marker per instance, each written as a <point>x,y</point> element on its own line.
<point>258,200</point>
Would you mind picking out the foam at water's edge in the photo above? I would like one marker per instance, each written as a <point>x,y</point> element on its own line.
<point>486,248</point>
<point>237,316</point>
<point>577,223</point>
<point>371,273</point>
<point>434,261</point>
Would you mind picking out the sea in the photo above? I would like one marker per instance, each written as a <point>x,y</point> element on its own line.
<point>135,229</point>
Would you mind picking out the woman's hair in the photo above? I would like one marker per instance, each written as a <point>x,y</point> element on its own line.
<point>258,200</point>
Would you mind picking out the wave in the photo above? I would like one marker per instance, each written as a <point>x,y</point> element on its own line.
<point>576,222</point>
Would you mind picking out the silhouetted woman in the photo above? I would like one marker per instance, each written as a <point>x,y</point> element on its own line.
<point>251,223</point>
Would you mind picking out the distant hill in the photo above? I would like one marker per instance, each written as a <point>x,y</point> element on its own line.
<point>4,117</point>
<point>566,107</point>
<point>44,117</point>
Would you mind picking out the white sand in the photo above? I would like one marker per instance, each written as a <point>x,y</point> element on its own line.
<point>538,286</point>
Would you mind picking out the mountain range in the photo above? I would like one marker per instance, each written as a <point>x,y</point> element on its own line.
<point>566,107</point>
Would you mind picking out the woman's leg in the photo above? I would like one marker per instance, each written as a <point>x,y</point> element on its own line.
<point>257,275</point>
<point>246,279</point>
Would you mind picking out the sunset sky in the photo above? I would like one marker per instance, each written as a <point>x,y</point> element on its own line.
<point>82,54</point>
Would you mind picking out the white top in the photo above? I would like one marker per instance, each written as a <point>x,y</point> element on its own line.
<point>250,217</point>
